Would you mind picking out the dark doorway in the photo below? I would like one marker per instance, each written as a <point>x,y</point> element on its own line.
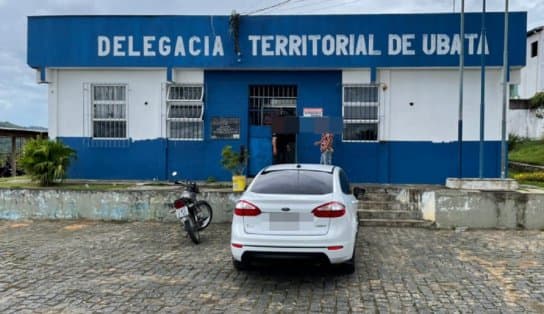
<point>275,107</point>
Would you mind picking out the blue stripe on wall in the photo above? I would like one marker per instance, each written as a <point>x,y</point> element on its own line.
<point>405,162</point>
<point>115,159</point>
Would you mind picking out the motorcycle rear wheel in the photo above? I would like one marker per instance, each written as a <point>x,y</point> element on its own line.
<point>192,230</point>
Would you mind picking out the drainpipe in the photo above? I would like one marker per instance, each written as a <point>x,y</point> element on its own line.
<point>482,95</point>
<point>504,93</point>
<point>461,70</point>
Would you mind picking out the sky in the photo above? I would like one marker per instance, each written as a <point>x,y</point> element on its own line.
<point>24,102</point>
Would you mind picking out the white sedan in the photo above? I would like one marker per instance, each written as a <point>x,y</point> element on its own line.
<point>296,211</point>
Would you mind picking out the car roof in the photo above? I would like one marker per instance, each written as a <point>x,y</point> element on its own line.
<point>309,167</point>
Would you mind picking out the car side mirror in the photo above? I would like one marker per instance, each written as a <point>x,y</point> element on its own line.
<point>358,192</point>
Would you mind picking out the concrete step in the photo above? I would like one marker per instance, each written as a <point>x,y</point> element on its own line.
<point>387,205</point>
<point>389,214</point>
<point>380,197</point>
<point>384,189</point>
<point>411,223</point>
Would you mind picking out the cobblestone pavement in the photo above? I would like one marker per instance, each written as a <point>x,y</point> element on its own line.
<point>81,266</point>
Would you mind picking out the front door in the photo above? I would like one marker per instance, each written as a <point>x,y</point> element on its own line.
<point>272,119</point>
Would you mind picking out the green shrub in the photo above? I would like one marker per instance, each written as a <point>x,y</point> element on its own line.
<point>514,141</point>
<point>537,176</point>
<point>46,161</point>
<point>233,161</point>
<point>537,101</point>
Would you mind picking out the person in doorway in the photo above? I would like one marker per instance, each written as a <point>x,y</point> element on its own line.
<point>325,146</point>
<point>279,148</point>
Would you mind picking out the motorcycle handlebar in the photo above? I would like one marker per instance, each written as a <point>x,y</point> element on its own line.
<point>188,184</point>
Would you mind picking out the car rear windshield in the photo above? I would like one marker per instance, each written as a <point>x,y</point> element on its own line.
<point>293,182</point>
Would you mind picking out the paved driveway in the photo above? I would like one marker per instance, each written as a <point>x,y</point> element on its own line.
<point>80,266</point>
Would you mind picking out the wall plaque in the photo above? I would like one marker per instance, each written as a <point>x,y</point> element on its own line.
<point>225,128</point>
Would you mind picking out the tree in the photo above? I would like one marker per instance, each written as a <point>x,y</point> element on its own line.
<point>46,161</point>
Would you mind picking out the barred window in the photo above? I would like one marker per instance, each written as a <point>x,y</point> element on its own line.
<point>185,111</point>
<point>267,102</point>
<point>360,106</point>
<point>109,103</point>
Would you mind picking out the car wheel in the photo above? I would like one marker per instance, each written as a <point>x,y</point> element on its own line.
<point>349,266</point>
<point>240,266</point>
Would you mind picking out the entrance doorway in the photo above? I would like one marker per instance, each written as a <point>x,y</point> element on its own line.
<point>274,108</point>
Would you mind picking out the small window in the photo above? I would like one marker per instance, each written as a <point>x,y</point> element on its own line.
<point>185,112</point>
<point>360,109</point>
<point>360,94</point>
<point>109,111</point>
<point>514,91</point>
<point>293,182</point>
<point>344,183</point>
<point>534,49</point>
<point>186,92</point>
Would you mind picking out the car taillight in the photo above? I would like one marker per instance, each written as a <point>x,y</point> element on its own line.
<point>330,210</point>
<point>245,208</point>
<point>179,204</point>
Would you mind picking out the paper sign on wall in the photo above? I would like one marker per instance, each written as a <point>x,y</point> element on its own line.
<point>313,112</point>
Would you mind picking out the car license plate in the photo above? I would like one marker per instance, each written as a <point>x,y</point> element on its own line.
<point>284,221</point>
<point>182,212</point>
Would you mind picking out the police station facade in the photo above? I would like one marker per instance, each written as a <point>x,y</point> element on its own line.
<point>141,96</point>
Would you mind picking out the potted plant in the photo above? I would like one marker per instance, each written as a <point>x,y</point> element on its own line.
<point>236,163</point>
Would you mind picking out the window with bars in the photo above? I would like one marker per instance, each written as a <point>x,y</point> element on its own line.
<point>269,101</point>
<point>109,103</point>
<point>185,111</point>
<point>360,106</point>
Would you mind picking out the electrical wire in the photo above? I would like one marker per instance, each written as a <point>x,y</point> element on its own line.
<point>331,6</point>
<point>312,6</point>
<point>299,5</point>
<point>269,7</point>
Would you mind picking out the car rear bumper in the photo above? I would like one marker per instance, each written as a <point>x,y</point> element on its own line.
<point>337,247</point>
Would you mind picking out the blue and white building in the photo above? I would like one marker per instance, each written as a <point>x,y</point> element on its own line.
<point>141,96</point>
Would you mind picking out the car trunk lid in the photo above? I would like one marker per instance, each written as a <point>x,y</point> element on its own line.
<point>287,215</point>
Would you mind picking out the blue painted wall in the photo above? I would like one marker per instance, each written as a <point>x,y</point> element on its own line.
<point>117,159</point>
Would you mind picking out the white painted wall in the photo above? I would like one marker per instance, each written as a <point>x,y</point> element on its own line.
<point>188,76</point>
<point>435,97</point>
<point>532,75</point>
<point>356,76</point>
<point>69,101</point>
<point>525,123</point>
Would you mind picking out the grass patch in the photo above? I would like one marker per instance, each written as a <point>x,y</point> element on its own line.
<point>533,183</point>
<point>25,183</point>
<point>531,152</point>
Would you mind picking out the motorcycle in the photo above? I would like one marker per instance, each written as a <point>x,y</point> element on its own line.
<point>194,215</point>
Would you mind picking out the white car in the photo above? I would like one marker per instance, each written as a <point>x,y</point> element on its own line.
<point>296,211</point>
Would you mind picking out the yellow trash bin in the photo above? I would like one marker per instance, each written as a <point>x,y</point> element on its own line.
<point>238,183</point>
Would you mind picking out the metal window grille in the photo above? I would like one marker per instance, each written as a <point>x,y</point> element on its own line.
<point>185,112</point>
<point>269,101</point>
<point>360,107</point>
<point>109,115</point>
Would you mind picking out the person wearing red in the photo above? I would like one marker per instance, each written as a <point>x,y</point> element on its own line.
<point>325,146</point>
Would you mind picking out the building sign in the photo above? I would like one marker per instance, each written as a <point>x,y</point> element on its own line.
<point>402,40</point>
<point>225,128</point>
<point>313,112</point>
